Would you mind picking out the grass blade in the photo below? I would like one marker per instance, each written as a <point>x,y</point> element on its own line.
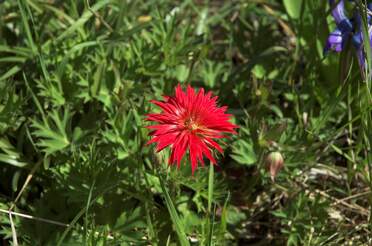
<point>174,215</point>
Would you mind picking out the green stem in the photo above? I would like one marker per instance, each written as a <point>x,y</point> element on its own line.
<point>174,215</point>
<point>210,200</point>
<point>210,187</point>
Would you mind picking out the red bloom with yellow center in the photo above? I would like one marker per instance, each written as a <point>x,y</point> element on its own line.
<point>190,121</point>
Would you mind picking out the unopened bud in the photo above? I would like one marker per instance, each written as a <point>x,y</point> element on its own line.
<point>274,162</point>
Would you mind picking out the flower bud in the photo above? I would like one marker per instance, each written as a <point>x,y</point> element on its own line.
<point>274,162</point>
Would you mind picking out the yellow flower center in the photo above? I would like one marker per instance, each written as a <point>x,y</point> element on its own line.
<point>191,124</point>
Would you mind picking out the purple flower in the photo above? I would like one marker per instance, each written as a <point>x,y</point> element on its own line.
<point>337,39</point>
<point>358,44</point>
<point>347,28</point>
<point>358,41</point>
<point>338,11</point>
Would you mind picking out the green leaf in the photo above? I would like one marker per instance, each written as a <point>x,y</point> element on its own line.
<point>174,215</point>
<point>83,19</point>
<point>12,160</point>
<point>10,72</point>
<point>293,8</point>
<point>243,152</point>
<point>234,215</point>
<point>53,134</point>
<point>10,155</point>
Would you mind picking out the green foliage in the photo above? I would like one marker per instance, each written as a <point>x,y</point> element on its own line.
<point>293,8</point>
<point>76,78</point>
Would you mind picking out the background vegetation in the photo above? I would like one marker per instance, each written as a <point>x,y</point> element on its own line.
<point>76,78</point>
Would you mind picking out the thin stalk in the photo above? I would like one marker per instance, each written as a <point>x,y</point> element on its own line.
<point>366,97</point>
<point>210,187</point>
<point>87,211</point>
<point>210,200</point>
<point>173,214</point>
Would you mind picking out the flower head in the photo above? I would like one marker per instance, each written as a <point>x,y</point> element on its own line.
<point>337,39</point>
<point>274,162</point>
<point>358,41</point>
<point>348,28</point>
<point>190,121</point>
<point>338,13</point>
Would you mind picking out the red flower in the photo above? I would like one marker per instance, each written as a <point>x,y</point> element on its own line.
<point>190,121</point>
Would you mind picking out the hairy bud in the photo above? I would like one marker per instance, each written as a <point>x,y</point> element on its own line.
<point>274,162</point>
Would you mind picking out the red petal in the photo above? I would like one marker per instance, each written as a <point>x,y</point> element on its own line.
<point>214,144</point>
